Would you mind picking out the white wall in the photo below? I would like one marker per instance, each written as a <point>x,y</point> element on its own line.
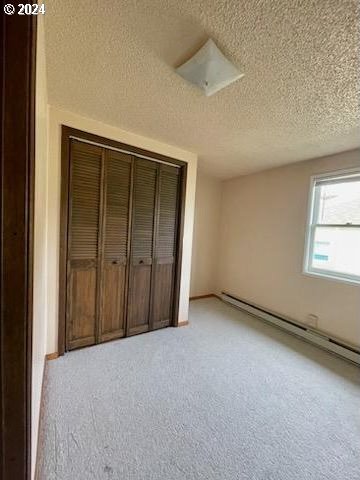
<point>56,119</point>
<point>40,215</point>
<point>206,235</point>
<point>263,225</point>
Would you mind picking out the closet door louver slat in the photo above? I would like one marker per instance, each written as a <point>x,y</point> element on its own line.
<point>143,217</point>
<point>84,211</point>
<point>165,247</point>
<point>117,180</point>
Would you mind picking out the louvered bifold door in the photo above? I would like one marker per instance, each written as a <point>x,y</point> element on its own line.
<point>117,181</point>
<point>165,246</point>
<point>142,238</point>
<point>82,264</point>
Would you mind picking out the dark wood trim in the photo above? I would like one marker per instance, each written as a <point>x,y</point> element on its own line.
<point>67,134</point>
<point>51,356</point>
<point>41,416</point>
<point>179,244</point>
<point>199,297</point>
<point>64,213</point>
<point>107,142</point>
<point>18,51</point>
<point>185,323</point>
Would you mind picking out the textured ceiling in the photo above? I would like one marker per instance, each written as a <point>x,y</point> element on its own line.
<point>114,61</point>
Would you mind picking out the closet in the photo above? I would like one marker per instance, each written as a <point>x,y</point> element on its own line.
<point>121,228</point>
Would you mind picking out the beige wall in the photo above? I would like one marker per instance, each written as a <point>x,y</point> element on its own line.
<point>264,217</point>
<point>206,235</point>
<point>40,215</point>
<point>56,119</point>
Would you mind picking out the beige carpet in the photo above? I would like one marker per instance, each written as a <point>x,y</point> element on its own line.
<point>225,398</point>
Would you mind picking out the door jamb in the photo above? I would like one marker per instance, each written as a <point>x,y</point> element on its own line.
<point>18,63</point>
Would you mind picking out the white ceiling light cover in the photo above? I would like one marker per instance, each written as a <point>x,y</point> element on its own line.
<point>209,69</point>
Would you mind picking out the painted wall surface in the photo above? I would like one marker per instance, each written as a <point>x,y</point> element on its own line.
<point>56,119</point>
<point>40,239</point>
<point>263,224</point>
<point>206,235</point>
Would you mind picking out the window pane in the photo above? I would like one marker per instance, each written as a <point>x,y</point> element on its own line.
<point>339,203</point>
<point>337,250</point>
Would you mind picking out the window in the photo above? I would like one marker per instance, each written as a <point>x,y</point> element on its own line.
<point>333,238</point>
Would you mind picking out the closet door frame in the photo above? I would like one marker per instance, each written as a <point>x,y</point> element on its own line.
<point>67,134</point>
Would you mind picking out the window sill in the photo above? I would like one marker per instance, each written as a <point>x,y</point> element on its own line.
<point>334,278</point>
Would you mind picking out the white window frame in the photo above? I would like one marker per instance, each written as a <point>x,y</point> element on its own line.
<point>308,269</point>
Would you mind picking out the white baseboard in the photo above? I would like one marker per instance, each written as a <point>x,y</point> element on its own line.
<point>291,326</point>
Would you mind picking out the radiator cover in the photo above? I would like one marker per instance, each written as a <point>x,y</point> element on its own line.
<point>308,334</point>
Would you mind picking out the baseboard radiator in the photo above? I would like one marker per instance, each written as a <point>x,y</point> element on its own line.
<point>300,330</point>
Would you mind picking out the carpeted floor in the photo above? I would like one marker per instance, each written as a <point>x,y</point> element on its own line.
<point>226,398</point>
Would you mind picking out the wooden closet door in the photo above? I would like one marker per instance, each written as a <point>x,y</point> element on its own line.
<point>82,263</point>
<point>165,246</point>
<point>142,238</point>
<point>117,182</point>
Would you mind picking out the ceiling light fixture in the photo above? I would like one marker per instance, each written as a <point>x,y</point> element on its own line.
<point>209,69</point>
